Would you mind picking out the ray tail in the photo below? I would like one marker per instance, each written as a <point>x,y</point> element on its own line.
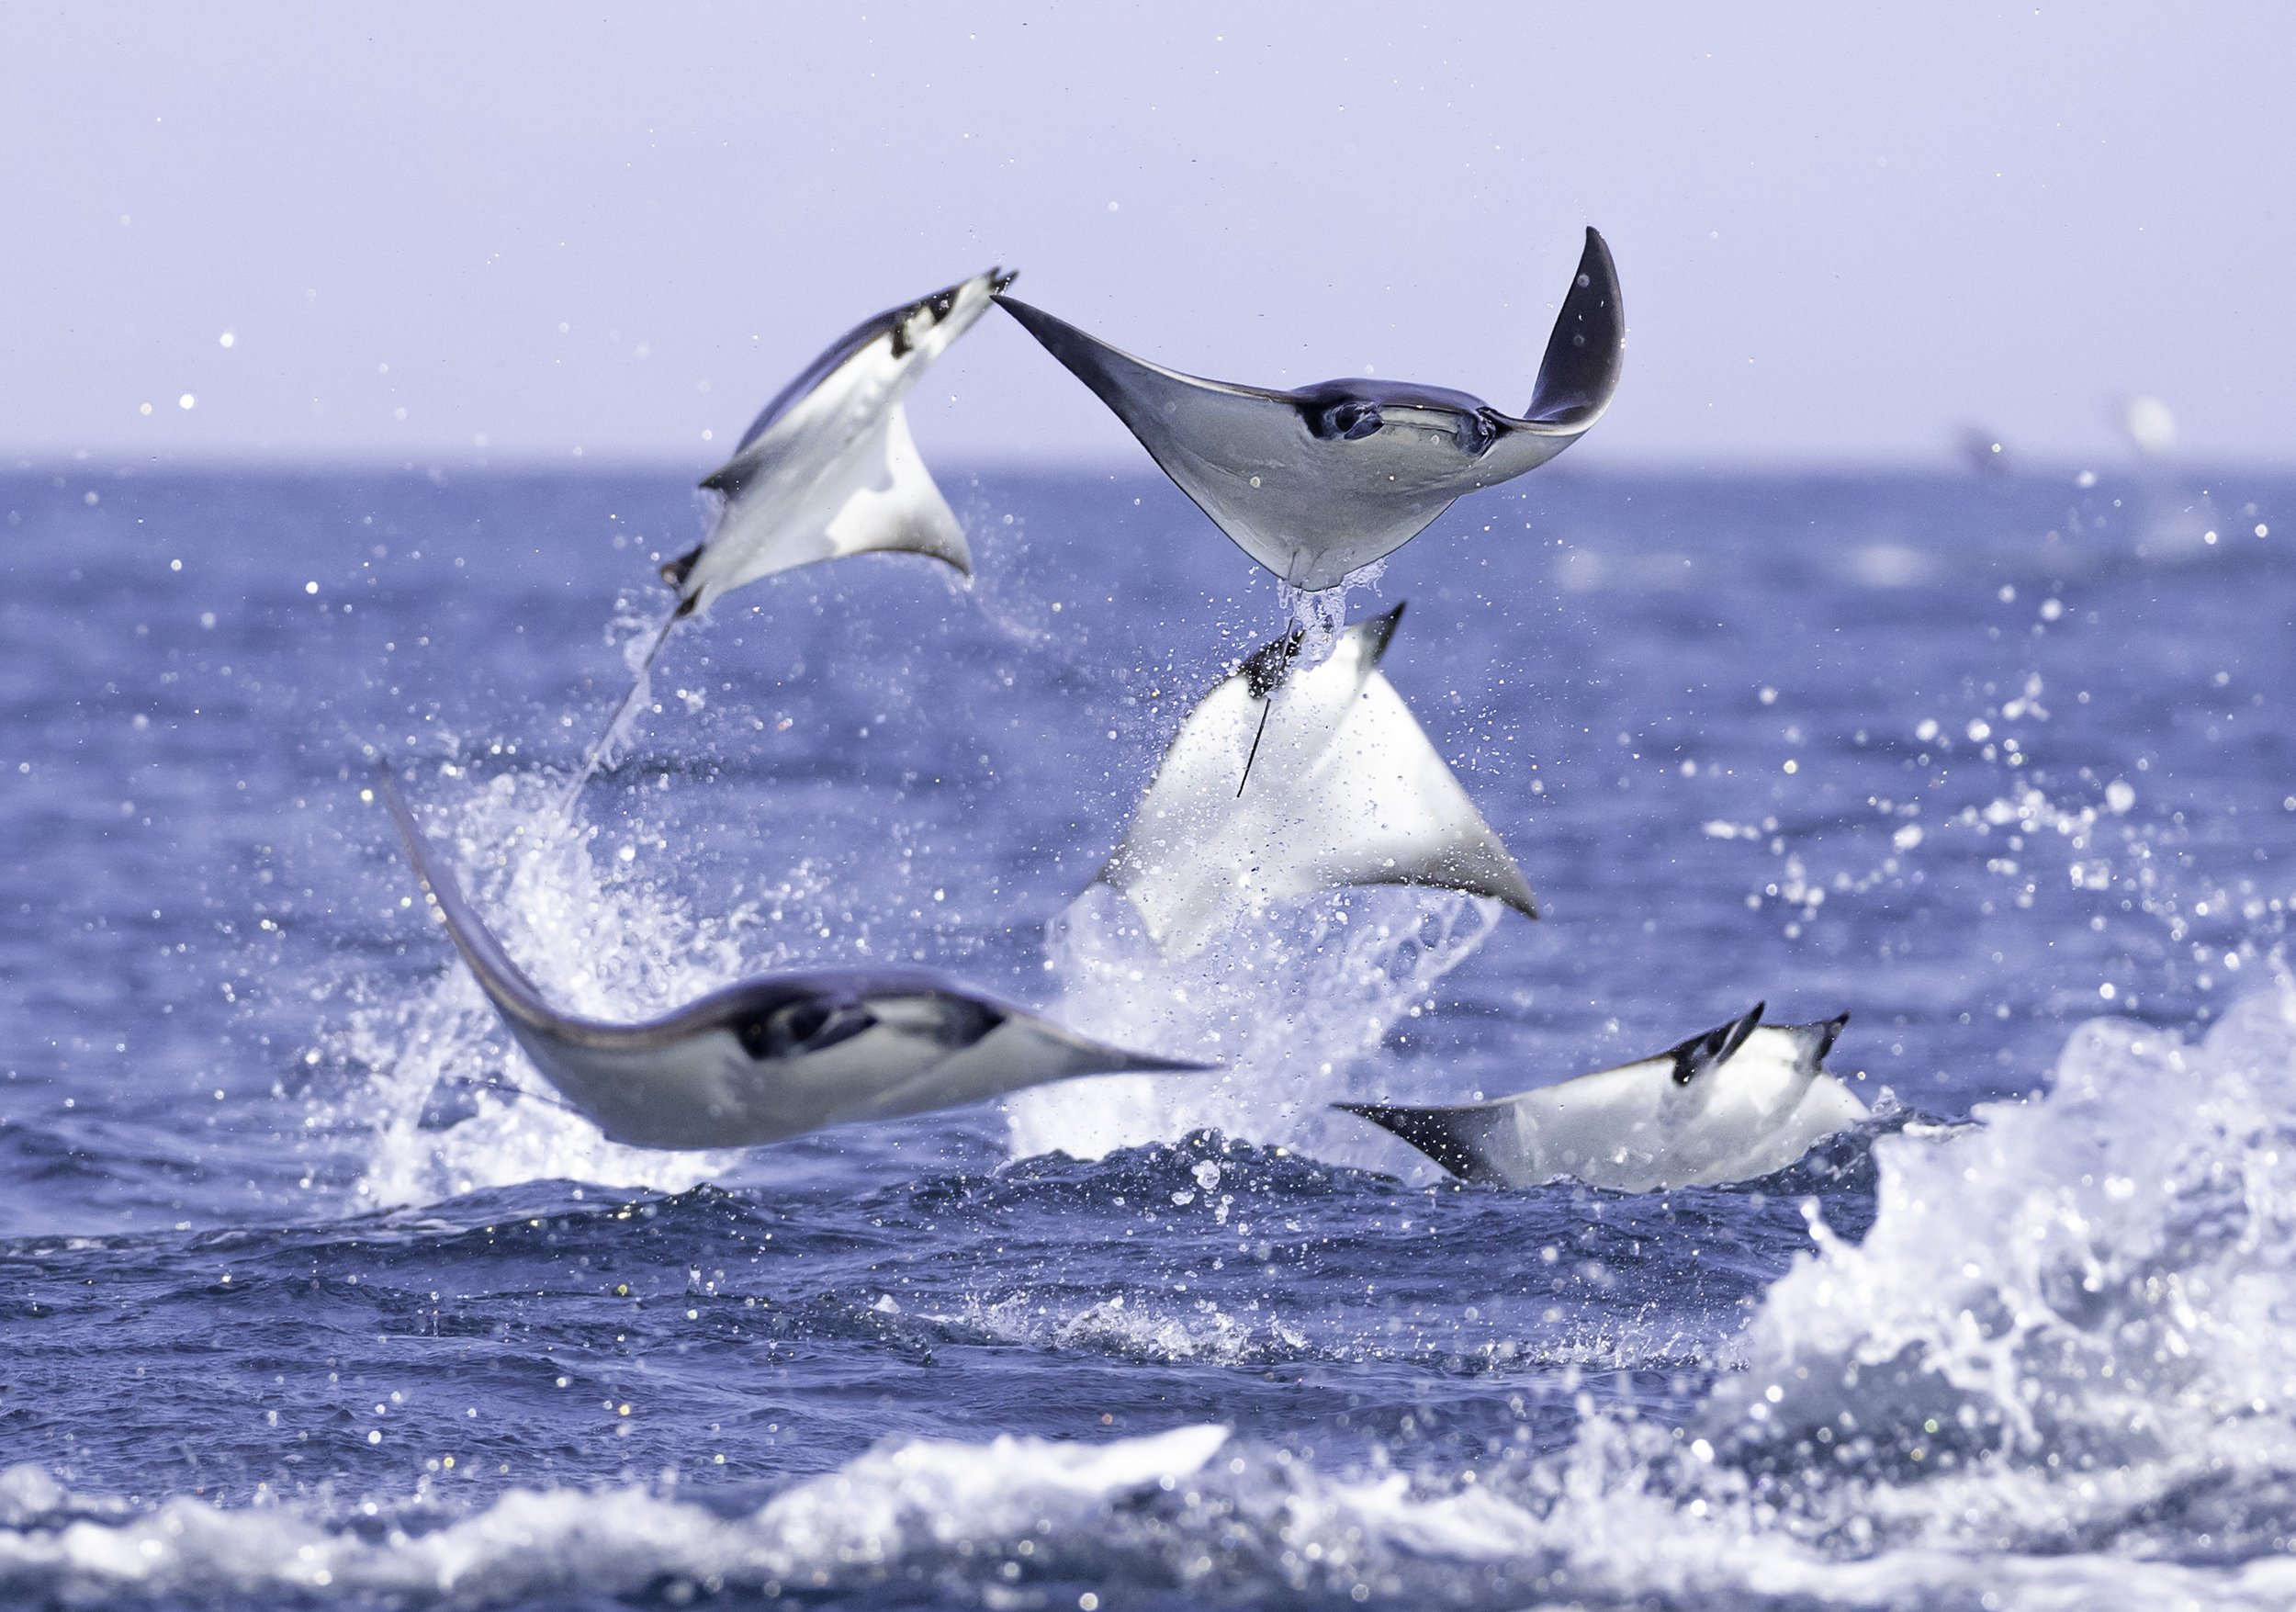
<point>1258,734</point>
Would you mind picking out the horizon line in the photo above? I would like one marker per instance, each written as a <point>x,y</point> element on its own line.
<point>580,462</point>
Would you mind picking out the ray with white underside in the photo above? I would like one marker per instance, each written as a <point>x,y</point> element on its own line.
<point>1734,1104</point>
<point>1319,482</point>
<point>828,469</point>
<point>1288,779</point>
<point>772,1058</point>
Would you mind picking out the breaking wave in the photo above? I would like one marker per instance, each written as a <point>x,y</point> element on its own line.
<point>2071,1323</point>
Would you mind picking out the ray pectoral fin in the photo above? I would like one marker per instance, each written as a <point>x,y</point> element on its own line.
<point>1480,865</point>
<point>1210,436</point>
<point>903,511</point>
<point>1420,827</point>
<point>1128,384</point>
<point>505,984</point>
<point>1587,348</point>
<point>1378,632</point>
<point>1163,407</point>
<point>1131,386</point>
<point>1019,1050</point>
<point>1452,1137</point>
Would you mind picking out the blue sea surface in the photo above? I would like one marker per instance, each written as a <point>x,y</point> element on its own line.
<point>311,1293</point>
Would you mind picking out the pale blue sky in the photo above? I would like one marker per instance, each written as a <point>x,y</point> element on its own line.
<point>1843,234</point>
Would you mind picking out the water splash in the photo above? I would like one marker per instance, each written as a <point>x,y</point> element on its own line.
<point>453,1105</point>
<point>642,643</point>
<point>1321,616</point>
<point>1293,1004</point>
<point>2070,1322</point>
<point>2057,1371</point>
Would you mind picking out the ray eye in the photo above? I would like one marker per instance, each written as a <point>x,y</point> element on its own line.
<point>803,1022</point>
<point>805,1027</point>
<point>941,304</point>
<point>964,1022</point>
<point>1348,421</point>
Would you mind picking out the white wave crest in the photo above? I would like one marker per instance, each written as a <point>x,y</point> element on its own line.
<point>919,1501</point>
<point>1190,1509</point>
<point>2075,1320</point>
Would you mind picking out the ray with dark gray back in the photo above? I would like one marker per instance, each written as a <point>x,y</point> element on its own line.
<point>772,1058</point>
<point>1319,482</point>
<point>828,469</point>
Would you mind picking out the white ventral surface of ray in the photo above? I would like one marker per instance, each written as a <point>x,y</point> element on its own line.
<point>1735,1104</point>
<point>829,467</point>
<point>1344,789</point>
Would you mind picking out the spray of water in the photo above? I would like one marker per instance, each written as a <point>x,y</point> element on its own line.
<point>454,1105</point>
<point>1295,1004</point>
<point>2068,1322</point>
<point>640,649</point>
<point>1320,616</point>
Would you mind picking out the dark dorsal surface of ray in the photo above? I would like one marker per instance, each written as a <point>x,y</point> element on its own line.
<point>1318,481</point>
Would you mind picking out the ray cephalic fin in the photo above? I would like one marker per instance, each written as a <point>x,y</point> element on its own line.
<point>1695,1056</point>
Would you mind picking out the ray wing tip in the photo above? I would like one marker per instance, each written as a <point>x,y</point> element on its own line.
<point>1379,631</point>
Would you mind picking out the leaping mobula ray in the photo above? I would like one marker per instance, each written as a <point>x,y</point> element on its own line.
<point>1733,1104</point>
<point>828,469</point>
<point>1286,779</point>
<point>1319,482</point>
<point>774,1056</point>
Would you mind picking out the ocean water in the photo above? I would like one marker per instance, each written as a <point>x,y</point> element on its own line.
<point>310,1295</point>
